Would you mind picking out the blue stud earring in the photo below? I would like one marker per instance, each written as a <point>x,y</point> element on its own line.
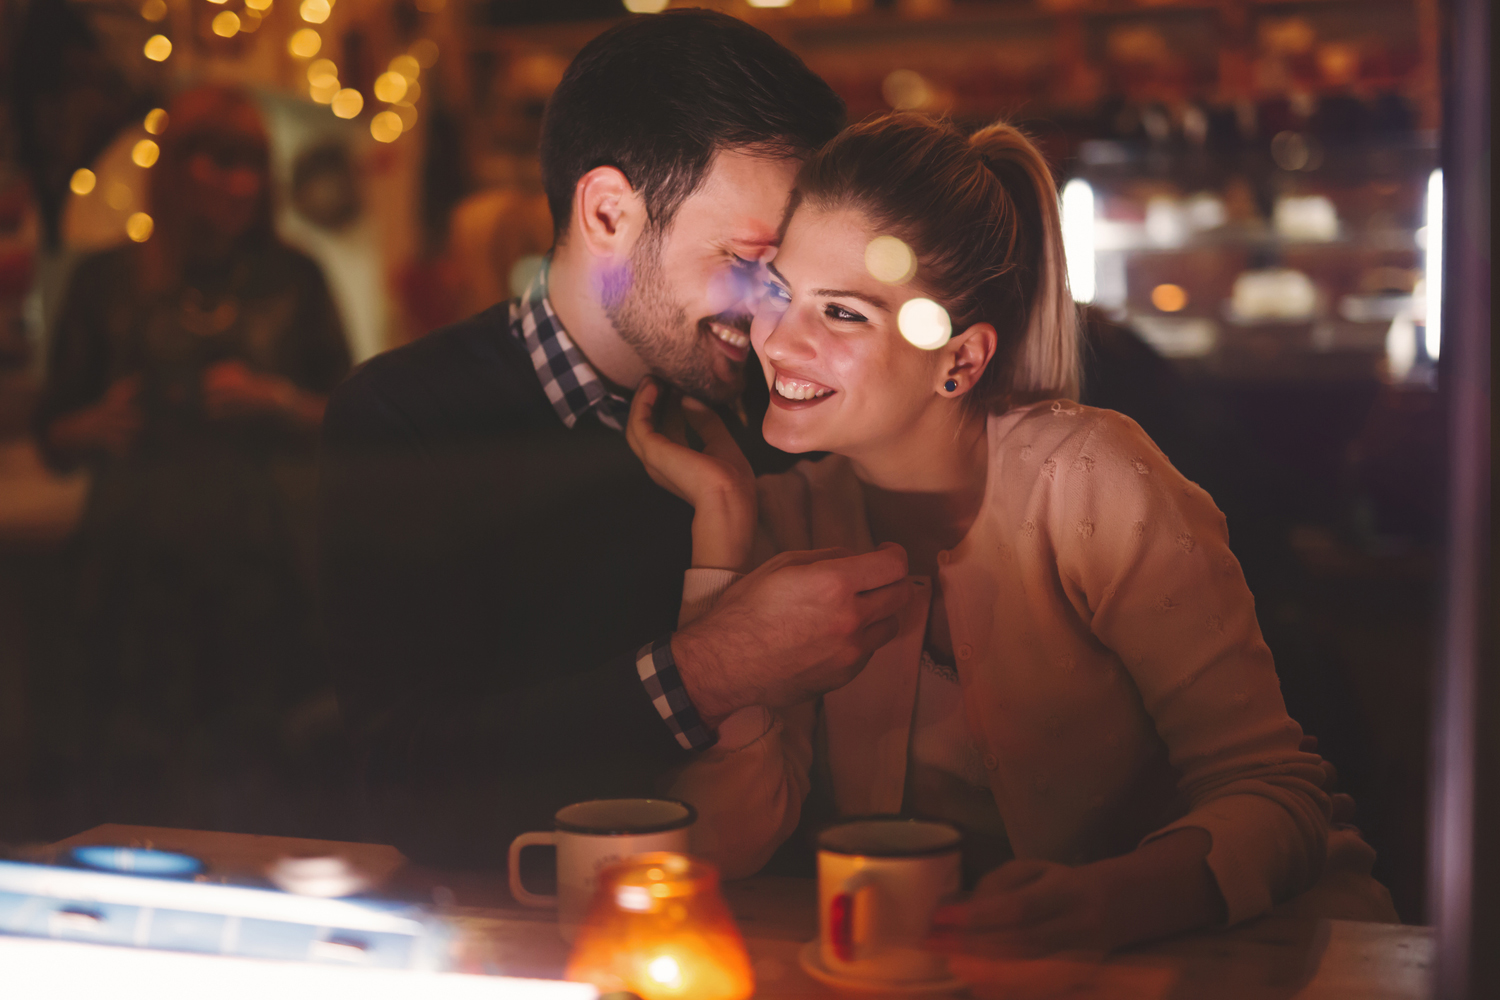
<point>951,385</point>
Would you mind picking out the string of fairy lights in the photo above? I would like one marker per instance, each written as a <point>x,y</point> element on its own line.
<point>396,90</point>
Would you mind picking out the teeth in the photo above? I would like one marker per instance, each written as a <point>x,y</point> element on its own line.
<point>799,390</point>
<point>729,335</point>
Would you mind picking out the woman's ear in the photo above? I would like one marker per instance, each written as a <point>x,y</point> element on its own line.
<point>964,359</point>
<point>608,214</point>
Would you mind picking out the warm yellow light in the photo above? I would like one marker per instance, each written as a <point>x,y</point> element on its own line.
<point>145,153</point>
<point>315,11</point>
<point>250,21</point>
<point>407,66</point>
<point>386,126</point>
<point>347,103</point>
<point>321,70</point>
<point>890,260</point>
<point>408,115</point>
<point>390,87</point>
<point>924,323</point>
<point>154,10</point>
<point>83,181</point>
<point>305,43</point>
<point>226,24</point>
<point>665,970</point>
<point>413,91</point>
<point>139,226</point>
<point>216,1</point>
<point>425,52</point>
<point>156,121</point>
<point>1169,298</point>
<point>325,90</point>
<point>646,6</point>
<point>770,3</point>
<point>260,5</point>
<point>158,47</point>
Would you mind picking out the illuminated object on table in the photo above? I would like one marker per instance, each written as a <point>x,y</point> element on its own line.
<point>304,43</point>
<point>83,181</point>
<point>1169,298</point>
<point>1078,237</point>
<point>158,48</point>
<point>658,928</point>
<point>1432,266</point>
<point>890,260</point>
<point>924,323</point>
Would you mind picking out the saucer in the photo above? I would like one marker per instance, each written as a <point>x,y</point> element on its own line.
<point>811,960</point>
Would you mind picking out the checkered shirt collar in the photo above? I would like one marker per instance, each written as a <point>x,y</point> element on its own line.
<point>570,382</point>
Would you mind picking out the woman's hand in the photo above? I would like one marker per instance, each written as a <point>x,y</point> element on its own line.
<point>110,425</point>
<point>232,389</point>
<point>1030,908</point>
<point>717,481</point>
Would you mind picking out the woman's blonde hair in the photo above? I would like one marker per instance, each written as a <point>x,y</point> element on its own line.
<point>981,215</point>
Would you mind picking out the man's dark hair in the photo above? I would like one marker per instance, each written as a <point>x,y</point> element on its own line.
<point>656,96</point>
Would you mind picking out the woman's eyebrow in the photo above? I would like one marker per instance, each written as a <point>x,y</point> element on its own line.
<point>836,293</point>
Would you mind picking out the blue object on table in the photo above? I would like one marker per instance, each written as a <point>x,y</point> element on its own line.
<point>136,861</point>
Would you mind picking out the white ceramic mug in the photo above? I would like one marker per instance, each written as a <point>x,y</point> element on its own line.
<point>591,835</point>
<point>879,882</point>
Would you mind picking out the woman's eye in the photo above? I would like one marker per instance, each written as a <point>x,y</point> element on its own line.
<point>842,315</point>
<point>776,293</point>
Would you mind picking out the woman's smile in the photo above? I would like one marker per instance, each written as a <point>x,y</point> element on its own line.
<point>795,391</point>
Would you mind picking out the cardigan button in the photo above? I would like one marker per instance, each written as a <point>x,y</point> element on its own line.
<point>964,651</point>
<point>991,762</point>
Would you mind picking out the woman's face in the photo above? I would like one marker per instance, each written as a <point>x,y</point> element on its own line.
<point>842,377</point>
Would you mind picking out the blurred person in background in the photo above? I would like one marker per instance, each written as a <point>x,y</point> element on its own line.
<point>190,372</point>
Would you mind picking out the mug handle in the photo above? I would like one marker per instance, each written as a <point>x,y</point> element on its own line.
<point>519,892</point>
<point>841,916</point>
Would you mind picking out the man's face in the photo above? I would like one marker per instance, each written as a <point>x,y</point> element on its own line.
<point>686,305</point>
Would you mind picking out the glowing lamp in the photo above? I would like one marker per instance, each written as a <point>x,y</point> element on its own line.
<point>659,928</point>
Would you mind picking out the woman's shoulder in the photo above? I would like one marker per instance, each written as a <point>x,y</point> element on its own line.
<point>1059,436</point>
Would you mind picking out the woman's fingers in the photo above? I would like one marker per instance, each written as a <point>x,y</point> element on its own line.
<point>717,441</point>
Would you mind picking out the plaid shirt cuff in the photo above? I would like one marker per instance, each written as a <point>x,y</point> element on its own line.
<point>664,685</point>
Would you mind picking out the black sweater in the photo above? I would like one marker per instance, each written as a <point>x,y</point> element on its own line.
<point>489,575</point>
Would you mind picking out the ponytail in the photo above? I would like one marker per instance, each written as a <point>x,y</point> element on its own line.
<point>982,216</point>
<point>1047,363</point>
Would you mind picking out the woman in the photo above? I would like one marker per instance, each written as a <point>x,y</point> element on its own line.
<point>1081,680</point>
<point>189,372</point>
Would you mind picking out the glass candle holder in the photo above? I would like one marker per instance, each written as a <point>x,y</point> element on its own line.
<point>659,928</point>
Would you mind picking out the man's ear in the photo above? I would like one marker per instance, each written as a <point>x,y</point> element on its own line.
<point>966,356</point>
<point>608,214</point>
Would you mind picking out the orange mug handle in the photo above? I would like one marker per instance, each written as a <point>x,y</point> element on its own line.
<point>842,930</point>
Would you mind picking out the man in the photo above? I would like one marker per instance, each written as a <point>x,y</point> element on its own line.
<point>502,577</point>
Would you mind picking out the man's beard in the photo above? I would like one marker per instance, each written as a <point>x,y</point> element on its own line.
<point>657,327</point>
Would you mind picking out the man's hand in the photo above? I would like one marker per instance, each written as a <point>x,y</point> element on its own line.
<point>110,425</point>
<point>802,624</point>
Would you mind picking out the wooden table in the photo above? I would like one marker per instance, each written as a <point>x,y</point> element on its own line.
<point>1277,957</point>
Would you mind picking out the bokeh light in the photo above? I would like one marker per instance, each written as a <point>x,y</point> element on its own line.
<point>158,48</point>
<point>390,87</point>
<point>260,5</point>
<point>924,323</point>
<point>386,126</point>
<point>425,52</point>
<point>408,115</point>
<point>216,1</point>
<point>154,10</point>
<point>83,181</point>
<point>139,226</point>
<point>1169,298</point>
<point>906,90</point>
<point>770,3</point>
<point>325,90</point>
<point>120,197</point>
<point>890,260</point>
<point>645,6</point>
<point>226,24</point>
<point>347,103</point>
<point>322,71</point>
<point>156,121</point>
<point>413,91</point>
<point>304,43</point>
<point>145,153</point>
<point>1077,212</point>
<point>315,11</point>
<point>250,21</point>
<point>407,66</point>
